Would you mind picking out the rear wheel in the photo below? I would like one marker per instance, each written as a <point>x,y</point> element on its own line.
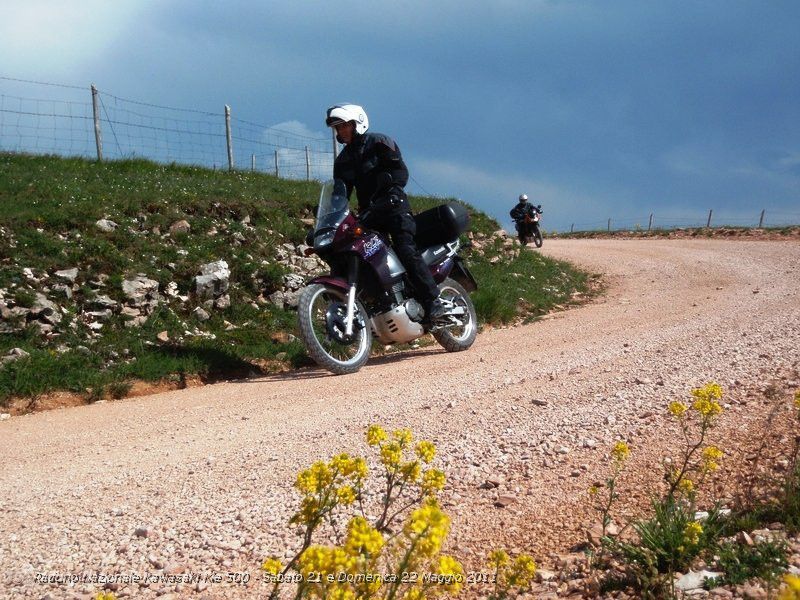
<point>459,336</point>
<point>321,315</point>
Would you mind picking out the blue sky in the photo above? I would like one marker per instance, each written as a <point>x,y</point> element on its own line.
<point>594,109</point>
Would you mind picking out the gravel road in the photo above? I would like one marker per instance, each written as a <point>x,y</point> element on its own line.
<point>205,475</point>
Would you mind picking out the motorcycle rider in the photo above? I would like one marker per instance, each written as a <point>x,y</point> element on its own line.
<point>371,164</point>
<point>524,209</point>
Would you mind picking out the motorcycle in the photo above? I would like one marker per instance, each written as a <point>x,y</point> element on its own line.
<point>528,229</point>
<point>366,295</point>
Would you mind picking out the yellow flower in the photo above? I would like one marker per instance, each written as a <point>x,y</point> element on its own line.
<point>391,455</point>
<point>677,409</point>
<point>706,400</point>
<point>314,478</point>
<point>452,572</point>
<point>105,596</point>
<point>792,589</point>
<point>415,593</point>
<point>686,486</point>
<point>411,470</point>
<point>346,495</point>
<point>522,571</point>
<point>403,437</point>
<point>433,480</point>
<point>498,558</point>
<point>271,565</point>
<point>797,399</point>
<point>428,525</point>
<point>340,592</point>
<point>375,435</point>
<point>325,561</point>
<point>426,451</point>
<point>593,490</point>
<point>710,457</point>
<point>362,538</point>
<point>692,532</point>
<point>620,451</point>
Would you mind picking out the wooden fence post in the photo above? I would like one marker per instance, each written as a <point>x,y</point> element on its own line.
<point>572,228</point>
<point>228,136</point>
<point>650,222</point>
<point>276,164</point>
<point>761,219</point>
<point>98,136</point>
<point>708,224</point>
<point>609,225</point>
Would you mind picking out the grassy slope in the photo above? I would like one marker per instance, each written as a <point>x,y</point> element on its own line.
<point>50,206</point>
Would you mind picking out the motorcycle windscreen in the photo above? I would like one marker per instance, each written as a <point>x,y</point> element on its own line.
<point>333,209</point>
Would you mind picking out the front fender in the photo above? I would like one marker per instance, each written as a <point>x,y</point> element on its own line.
<point>336,282</point>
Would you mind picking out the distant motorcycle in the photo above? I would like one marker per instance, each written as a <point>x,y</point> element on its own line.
<point>367,294</point>
<point>528,229</point>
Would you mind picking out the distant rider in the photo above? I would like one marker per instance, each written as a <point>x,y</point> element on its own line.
<point>524,209</point>
<point>371,164</point>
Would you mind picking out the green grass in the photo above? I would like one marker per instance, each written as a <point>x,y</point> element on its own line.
<point>51,204</point>
<point>740,563</point>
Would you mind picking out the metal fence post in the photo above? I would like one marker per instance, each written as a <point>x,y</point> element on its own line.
<point>761,219</point>
<point>708,224</point>
<point>276,164</point>
<point>308,165</point>
<point>650,222</point>
<point>609,224</point>
<point>572,228</point>
<point>228,136</point>
<point>252,162</point>
<point>335,145</point>
<point>98,136</point>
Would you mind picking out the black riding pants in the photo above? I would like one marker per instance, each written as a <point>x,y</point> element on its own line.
<point>402,228</point>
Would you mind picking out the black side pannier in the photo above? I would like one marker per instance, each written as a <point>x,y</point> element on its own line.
<point>441,224</point>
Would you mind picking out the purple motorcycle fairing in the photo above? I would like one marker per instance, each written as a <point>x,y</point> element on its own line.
<point>335,282</point>
<point>441,270</point>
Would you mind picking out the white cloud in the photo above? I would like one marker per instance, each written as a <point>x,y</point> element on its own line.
<point>52,37</point>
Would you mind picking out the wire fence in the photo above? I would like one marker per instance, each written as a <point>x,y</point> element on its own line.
<point>92,123</point>
<point>651,222</point>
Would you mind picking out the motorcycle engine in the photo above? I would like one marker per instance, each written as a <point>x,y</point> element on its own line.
<point>397,325</point>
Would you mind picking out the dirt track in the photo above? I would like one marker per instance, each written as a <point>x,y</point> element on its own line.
<point>208,471</point>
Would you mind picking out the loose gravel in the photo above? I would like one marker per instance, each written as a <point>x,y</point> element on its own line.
<point>199,481</point>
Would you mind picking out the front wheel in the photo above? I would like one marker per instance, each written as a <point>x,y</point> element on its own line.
<point>537,238</point>
<point>461,334</point>
<point>321,315</point>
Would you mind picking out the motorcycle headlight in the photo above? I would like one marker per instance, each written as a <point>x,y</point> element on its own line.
<point>324,238</point>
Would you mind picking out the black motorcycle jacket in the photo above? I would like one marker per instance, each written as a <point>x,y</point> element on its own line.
<point>373,166</point>
<point>523,209</point>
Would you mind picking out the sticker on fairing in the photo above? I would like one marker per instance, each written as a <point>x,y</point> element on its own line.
<point>371,246</point>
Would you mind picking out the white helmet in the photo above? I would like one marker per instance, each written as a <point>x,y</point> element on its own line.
<point>342,113</point>
<point>523,197</point>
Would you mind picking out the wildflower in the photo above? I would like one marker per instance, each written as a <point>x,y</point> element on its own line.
<point>677,409</point>
<point>105,596</point>
<point>346,495</point>
<point>325,561</point>
<point>271,565</point>
<point>792,589</point>
<point>797,399</point>
<point>593,490</point>
<point>362,538</point>
<point>706,400</point>
<point>452,573</point>
<point>430,526</point>
<point>686,486</point>
<point>411,470</point>
<point>375,435</point>
<point>498,558</point>
<point>403,437</point>
<point>692,532</point>
<point>391,455</point>
<point>341,593</point>
<point>433,480</point>
<point>522,571</point>
<point>620,451</point>
<point>415,593</point>
<point>710,457</point>
<point>426,451</point>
